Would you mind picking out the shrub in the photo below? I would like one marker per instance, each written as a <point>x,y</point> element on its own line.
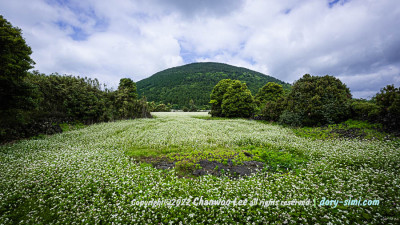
<point>291,118</point>
<point>162,108</point>
<point>364,110</point>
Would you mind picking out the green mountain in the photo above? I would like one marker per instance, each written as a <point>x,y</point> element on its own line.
<point>178,85</point>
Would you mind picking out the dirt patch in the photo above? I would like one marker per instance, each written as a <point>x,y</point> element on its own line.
<point>215,168</point>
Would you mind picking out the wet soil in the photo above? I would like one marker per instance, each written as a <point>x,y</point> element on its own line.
<point>217,168</point>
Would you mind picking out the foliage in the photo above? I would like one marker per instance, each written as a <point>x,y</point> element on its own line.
<point>281,161</point>
<point>269,93</point>
<point>364,110</point>
<point>317,100</point>
<point>84,176</point>
<point>217,96</point>
<point>72,126</point>
<point>160,107</point>
<point>68,99</point>
<point>195,81</point>
<point>16,96</point>
<point>389,102</point>
<point>272,110</point>
<point>192,106</point>
<point>71,98</point>
<point>141,108</point>
<point>238,101</point>
<point>291,118</point>
<point>125,98</point>
<point>350,129</point>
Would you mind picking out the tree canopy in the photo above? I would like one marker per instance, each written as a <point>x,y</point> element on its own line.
<point>317,100</point>
<point>269,92</point>
<point>217,96</point>
<point>15,61</point>
<point>238,101</point>
<point>125,97</point>
<point>16,95</point>
<point>231,98</point>
<point>388,101</point>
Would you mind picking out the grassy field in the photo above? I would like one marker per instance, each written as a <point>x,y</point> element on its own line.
<point>101,174</point>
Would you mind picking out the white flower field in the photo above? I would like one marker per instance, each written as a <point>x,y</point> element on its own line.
<point>87,176</point>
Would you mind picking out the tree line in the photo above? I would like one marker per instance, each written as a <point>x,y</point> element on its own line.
<point>312,101</point>
<point>33,103</point>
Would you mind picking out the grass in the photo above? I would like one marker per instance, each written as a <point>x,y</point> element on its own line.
<point>348,129</point>
<point>91,175</point>
<point>72,126</point>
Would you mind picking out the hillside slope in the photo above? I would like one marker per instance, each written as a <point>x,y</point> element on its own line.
<point>195,81</point>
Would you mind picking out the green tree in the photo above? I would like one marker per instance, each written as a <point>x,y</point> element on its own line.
<point>192,106</point>
<point>270,92</point>
<point>388,100</point>
<point>217,96</point>
<point>272,110</point>
<point>238,101</point>
<point>362,109</point>
<point>125,98</point>
<point>162,108</point>
<point>141,108</point>
<point>316,100</point>
<point>15,61</point>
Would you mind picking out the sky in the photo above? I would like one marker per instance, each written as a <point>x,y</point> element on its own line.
<point>357,41</point>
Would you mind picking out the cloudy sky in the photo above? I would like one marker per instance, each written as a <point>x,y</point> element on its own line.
<point>357,41</point>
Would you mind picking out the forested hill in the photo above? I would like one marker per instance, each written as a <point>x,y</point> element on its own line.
<point>178,85</point>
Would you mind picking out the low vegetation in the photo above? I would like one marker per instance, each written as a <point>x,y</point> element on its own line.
<point>94,174</point>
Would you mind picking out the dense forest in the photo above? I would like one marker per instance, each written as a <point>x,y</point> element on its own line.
<point>195,81</point>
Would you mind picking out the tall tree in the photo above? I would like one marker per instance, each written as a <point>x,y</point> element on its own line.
<point>316,100</point>
<point>126,96</point>
<point>15,61</point>
<point>388,100</point>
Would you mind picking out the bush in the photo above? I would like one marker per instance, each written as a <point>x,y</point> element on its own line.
<point>272,110</point>
<point>364,110</point>
<point>291,119</point>
<point>317,101</point>
<point>162,108</point>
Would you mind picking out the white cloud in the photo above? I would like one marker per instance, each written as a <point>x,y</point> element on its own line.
<point>357,41</point>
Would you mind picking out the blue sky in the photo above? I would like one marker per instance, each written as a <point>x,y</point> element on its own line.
<point>357,41</point>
